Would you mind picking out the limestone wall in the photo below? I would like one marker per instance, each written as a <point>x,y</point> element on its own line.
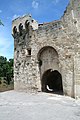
<point>63,36</point>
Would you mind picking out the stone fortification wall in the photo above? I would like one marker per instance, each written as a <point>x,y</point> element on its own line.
<point>40,47</point>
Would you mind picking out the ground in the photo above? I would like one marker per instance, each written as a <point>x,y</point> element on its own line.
<point>6,87</point>
<point>41,106</point>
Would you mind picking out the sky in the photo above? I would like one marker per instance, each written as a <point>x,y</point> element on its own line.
<point>41,10</point>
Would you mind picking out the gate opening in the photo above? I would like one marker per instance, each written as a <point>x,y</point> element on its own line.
<point>52,82</point>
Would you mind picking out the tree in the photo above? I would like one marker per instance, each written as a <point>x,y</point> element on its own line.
<point>3,61</point>
<point>6,68</point>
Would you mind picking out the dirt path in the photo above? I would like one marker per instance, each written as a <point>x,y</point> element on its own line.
<point>42,106</point>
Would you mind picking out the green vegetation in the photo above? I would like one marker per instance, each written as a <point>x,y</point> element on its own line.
<point>6,73</point>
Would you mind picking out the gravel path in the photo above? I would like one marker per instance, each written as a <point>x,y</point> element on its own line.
<point>42,106</point>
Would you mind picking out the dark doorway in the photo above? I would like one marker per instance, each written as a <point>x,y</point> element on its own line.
<point>52,82</point>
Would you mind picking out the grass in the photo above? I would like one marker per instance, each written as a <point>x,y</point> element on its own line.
<point>5,87</point>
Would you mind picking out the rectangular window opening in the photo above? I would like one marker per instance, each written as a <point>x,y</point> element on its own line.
<point>29,51</point>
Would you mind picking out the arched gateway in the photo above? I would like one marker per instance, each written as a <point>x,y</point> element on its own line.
<point>51,79</point>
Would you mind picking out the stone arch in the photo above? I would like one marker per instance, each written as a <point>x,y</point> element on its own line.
<point>20,28</point>
<point>51,81</point>
<point>48,58</point>
<point>48,61</point>
<point>44,48</point>
<point>14,30</point>
<point>27,23</point>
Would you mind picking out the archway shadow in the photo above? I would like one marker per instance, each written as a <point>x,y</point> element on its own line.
<point>52,82</point>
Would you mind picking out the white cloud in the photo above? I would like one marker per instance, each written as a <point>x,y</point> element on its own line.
<point>55,2</point>
<point>15,16</point>
<point>0,11</point>
<point>35,4</point>
<point>8,18</point>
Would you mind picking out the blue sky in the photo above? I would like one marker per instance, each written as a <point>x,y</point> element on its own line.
<point>41,10</point>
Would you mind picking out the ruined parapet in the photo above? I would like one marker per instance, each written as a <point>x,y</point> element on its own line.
<point>22,25</point>
<point>71,17</point>
<point>54,25</point>
<point>22,29</point>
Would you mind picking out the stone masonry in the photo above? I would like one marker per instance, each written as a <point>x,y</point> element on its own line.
<point>41,49</point>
